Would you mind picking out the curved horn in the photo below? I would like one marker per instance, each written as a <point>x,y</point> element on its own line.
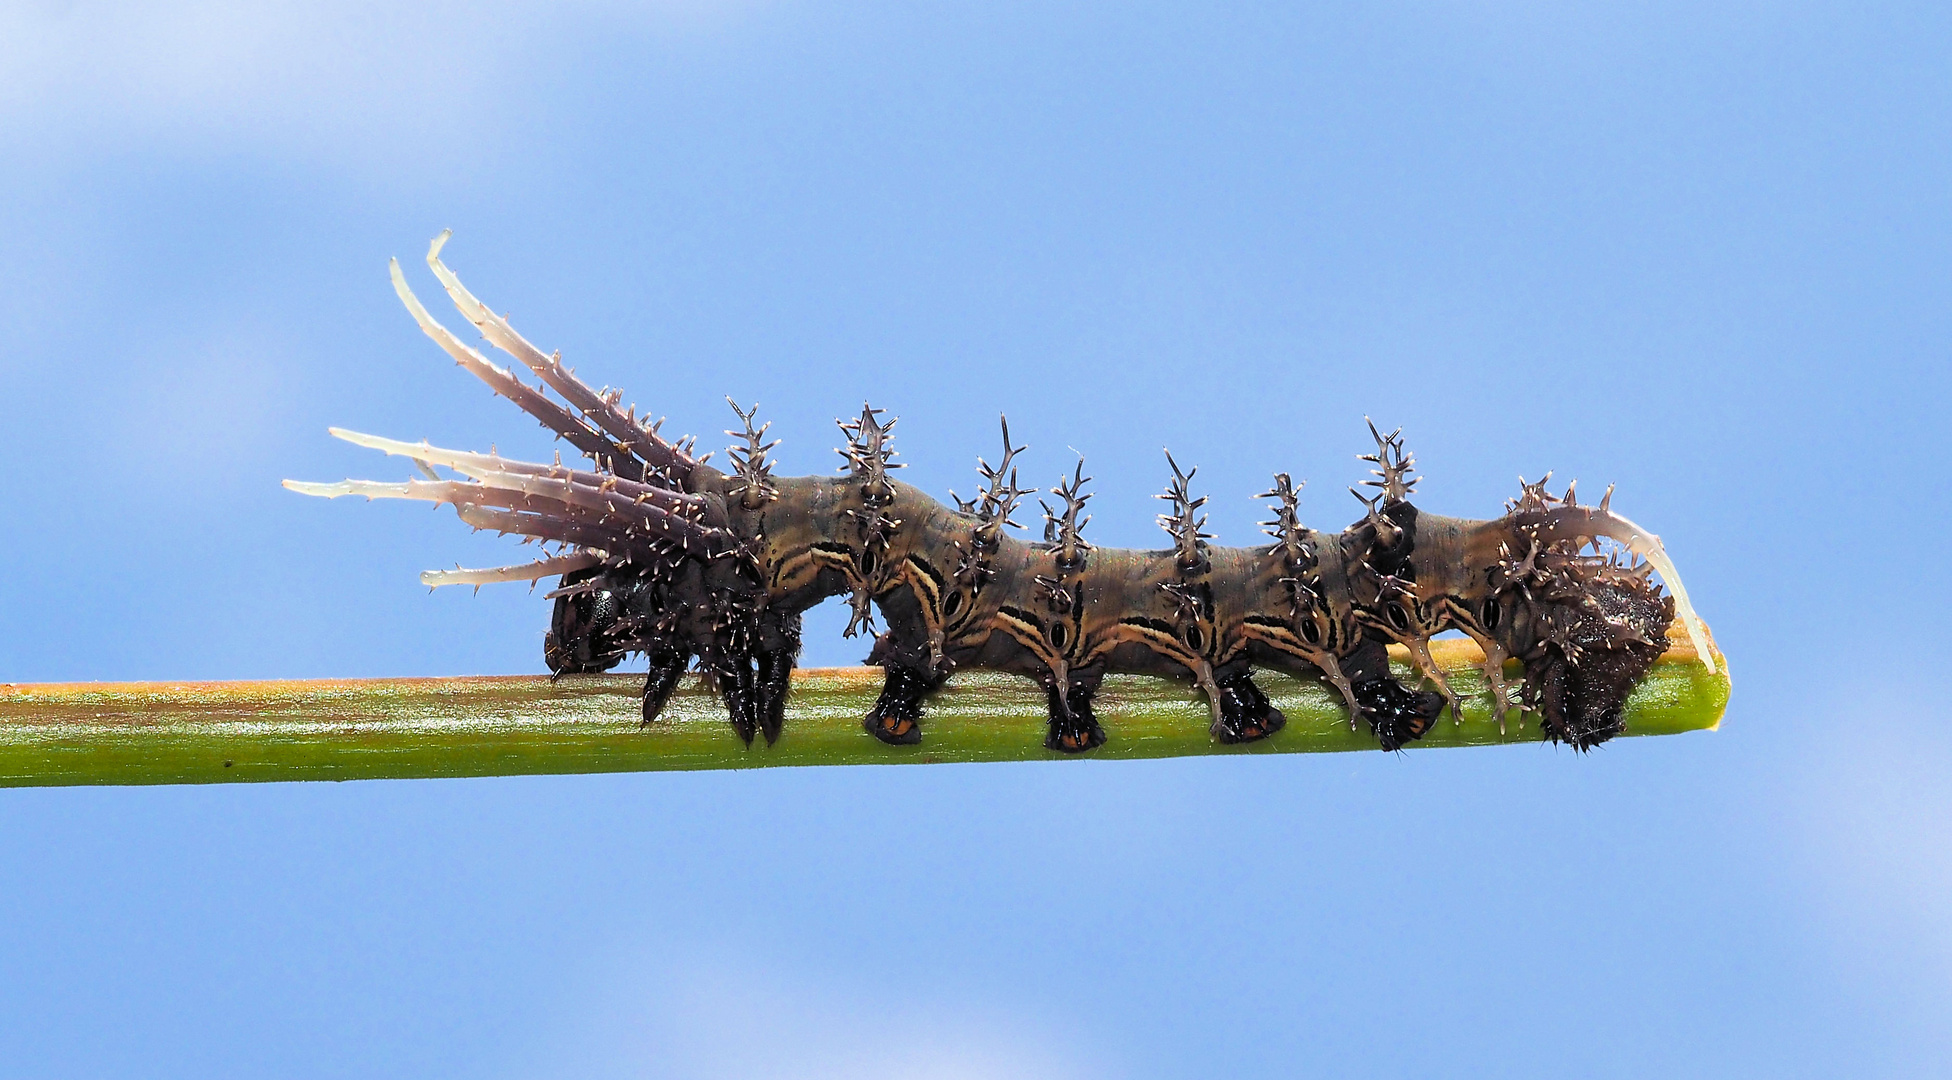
<point>1571,522</point>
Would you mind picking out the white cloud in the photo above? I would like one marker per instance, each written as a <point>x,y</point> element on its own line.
<point>1877,816</point>
<point>321,79</point>
<point>728,1020</point>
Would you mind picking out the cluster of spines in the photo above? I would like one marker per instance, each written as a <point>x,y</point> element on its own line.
<point>869,453</point>
<point>1192,594</point>
<point>631,520</point>
<point>1290,541</point>
<point>1393,480</point>
<point>1394,465</point>
<point>1181,522</point>
<point>991,507</point>
<point>869,456</point>
<point>613,438</point>
<point>1291,546</point>
<point>1063,531</point>
<point>754,472</point>
<point>633,508</point>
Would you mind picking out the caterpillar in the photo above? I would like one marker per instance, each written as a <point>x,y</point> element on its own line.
<point>659,553</point>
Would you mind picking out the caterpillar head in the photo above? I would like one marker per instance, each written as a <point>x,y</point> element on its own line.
<point>1569,591</point>
<point>1585,626</point>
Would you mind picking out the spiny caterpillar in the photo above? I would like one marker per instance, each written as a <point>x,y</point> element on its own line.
<point>662,554</point>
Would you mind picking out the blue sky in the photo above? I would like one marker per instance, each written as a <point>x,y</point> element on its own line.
<point>1697,250</point>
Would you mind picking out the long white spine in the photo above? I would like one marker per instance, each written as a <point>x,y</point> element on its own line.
<point>562,564</point>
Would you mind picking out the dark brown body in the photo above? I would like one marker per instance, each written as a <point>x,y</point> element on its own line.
<point>666,556</point>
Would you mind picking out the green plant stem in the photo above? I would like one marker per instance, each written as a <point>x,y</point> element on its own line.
<point>194,733</point>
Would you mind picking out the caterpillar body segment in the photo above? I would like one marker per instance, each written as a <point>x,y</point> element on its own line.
<point>1209,620</point>
<point>664,555</point>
